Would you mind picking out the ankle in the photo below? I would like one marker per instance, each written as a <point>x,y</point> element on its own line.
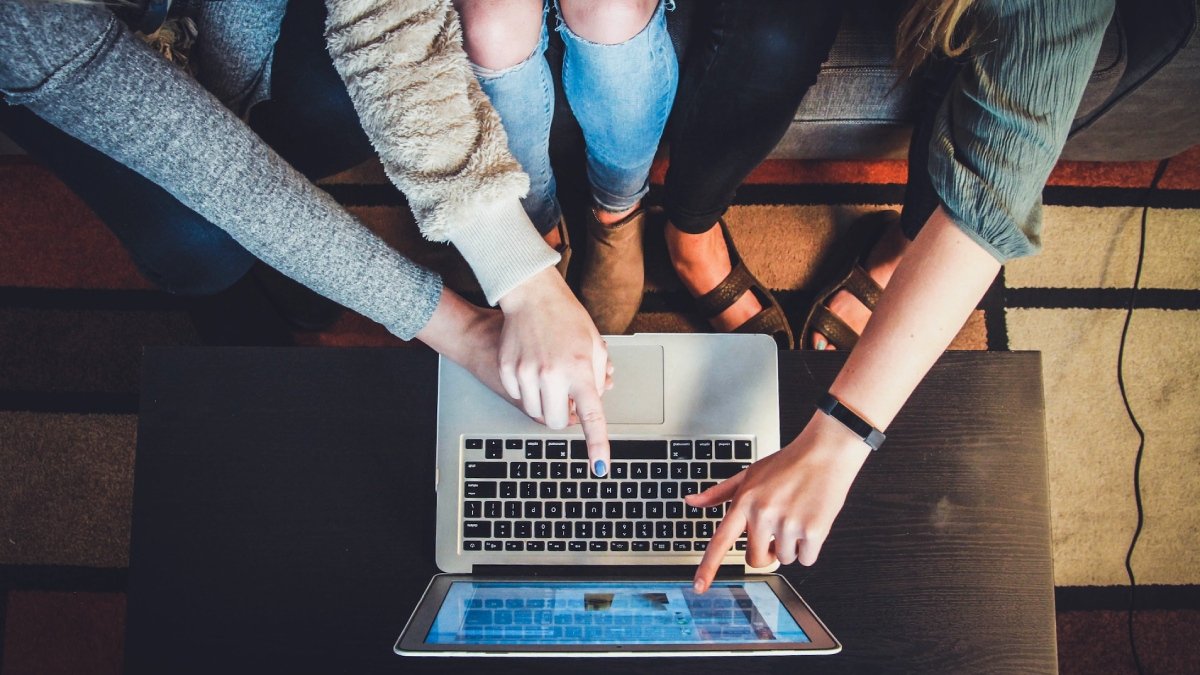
<point>609,218</point>
<point>689,250</point>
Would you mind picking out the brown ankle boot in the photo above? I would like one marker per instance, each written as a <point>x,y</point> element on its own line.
<point>613,272</point>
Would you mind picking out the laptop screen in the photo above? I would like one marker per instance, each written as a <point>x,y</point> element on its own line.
<point>601,613</point>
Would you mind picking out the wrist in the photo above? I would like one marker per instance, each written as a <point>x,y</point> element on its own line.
<point>531,291</point>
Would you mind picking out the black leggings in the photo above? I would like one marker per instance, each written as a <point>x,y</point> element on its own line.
<point>747,66</point>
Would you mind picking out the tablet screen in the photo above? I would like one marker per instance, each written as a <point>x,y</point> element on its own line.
<point>607,613</point>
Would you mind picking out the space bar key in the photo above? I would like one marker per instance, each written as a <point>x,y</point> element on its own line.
<point>625,449</point>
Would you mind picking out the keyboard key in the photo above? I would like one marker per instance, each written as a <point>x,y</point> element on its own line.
<point>707,485</point>
<point>579,449</point>
<point>508,489</point>
<point>523,529</point>
<point>556,546</point>
<point>491,509</point>
<point>493,546</point>
<point>619,545</point>
<point>554,509</point>
<point>562,530</point>
<point>704,449</point>
<point>542,529</point>
<point>533,449</point>
<point>682,546</point>
<point>669,490</point>
<point>513,444</point>
<point>740,545</point>
<point>715,512</point>
<point>579,470</point>
<point>594,510</point>
<point>620,470</point>
<point>689,488</point>
<point>494,448</point>
<point>474,443</point>
<point>574,509</point>
<point>629,490</point>
<point>538,470</point>
<point>518,470</point>
<point>645,529</point>
<point>723,470</point>
<point>484,470</point>
<point>662,530</point>
<point>624,529</point>
<point>473,509</point>
<point>681,449</point>
<point>548,490</point>
<point>683,529</point>
<point>693,512</point>
<point>608,490</point>
<point>558,470</point>
<point>634,510</point>
<point>568,490</point>
<point>514,546</point>
<point>704,529</point>
<point>512,509</point>
<point>528,489</point>
<point>603,530</point>
<point>613,510</point>
<point>649,490</point>
<point>654,509</point>
<point>477,529</point>
<point>472,545</point>
<point>724,450</point>
<point>658,470</point>
<point>556,449</point>
<point>640,546</point>
<point>639,470</point>
<point>679,470</point>
<point>675,509</point>
<point>597,545</point>
<point>630,450</point>
<point>533,509</point>
<point>503,529</point>
<point>699,470</point>
<point>577,546</point>
<point>700,545</point>
<point>480,490</point>
<point>535,546</point>
<point>661,546</point>
<point>742,450</point>
<point>589,490</point>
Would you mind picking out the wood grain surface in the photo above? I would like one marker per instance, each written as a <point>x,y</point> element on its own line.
<point>283,520</point>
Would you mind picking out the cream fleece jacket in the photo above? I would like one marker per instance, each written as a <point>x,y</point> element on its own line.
<point>440,140</point>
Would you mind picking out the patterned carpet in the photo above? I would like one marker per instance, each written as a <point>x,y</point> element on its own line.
<point>74,316</point>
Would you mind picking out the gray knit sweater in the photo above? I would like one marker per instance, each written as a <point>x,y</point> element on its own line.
<point>80,69</point>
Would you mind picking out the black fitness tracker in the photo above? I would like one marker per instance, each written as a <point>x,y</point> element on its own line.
<point>850,419</point>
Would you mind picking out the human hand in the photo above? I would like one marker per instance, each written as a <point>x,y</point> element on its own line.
<point>787,502</point>
<point>552,359</point>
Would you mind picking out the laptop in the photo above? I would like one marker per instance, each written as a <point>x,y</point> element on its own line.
<point>541,557</point>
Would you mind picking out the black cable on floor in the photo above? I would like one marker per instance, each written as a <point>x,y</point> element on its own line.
<point>1137,463</point>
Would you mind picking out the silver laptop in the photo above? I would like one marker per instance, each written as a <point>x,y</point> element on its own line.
<point>686,411</point>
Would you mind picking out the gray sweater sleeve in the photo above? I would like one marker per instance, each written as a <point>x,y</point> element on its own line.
<point>80,69</point>
<point>1003,125</point>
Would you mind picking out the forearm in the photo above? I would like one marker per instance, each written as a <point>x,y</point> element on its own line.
<point>935,288</point>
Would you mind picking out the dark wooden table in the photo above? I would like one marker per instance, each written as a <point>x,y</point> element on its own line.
<point>283,521</point>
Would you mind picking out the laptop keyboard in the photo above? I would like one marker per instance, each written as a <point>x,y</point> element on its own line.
<point>539,494</point>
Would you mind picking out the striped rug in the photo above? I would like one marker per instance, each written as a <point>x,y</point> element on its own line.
<point>74,316</point>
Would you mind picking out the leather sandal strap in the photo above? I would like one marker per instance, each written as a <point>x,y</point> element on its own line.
<point>726,293</point>
<point>770,321</point>
<point>860,284</point>
<point>832,327</point>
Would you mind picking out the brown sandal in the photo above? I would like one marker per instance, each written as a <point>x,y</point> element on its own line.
<point>853,278</point>
<point>770,321</point>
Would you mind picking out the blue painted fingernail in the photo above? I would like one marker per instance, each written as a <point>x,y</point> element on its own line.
<point>821,344</point>
<point>600,468</point>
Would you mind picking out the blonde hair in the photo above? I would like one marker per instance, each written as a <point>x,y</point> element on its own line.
<point>933,26</point>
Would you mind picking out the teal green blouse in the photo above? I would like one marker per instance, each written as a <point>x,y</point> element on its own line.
<point>1001,129</point>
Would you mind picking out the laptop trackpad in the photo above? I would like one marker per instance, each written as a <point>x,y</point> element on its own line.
<point>637,393</point>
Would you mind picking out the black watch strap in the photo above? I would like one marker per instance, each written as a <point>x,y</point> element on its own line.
<point>850,419</point>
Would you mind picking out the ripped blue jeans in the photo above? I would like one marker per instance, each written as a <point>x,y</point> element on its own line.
<point>621,94</point>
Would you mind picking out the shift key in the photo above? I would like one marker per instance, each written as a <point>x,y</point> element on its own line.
<point>485,470</point>
<point>723,470</point>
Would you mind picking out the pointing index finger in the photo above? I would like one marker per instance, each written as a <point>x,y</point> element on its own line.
<point>595,428</point>
<point>723,540</point>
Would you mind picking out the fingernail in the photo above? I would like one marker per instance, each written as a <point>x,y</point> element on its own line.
<point>600,468</point>
<point>698,586</point>
<point>821,344</point>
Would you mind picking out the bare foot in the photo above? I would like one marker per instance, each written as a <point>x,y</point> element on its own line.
<point>702,262</point>
<point>881,263</point>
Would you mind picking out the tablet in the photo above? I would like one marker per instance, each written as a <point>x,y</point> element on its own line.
<point>468,615</point>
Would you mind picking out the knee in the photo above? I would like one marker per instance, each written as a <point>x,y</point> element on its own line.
<point>607,22</point>
<point>204,262</point>
<point>499,34</point>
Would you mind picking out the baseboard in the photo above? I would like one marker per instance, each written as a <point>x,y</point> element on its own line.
<point>1154,596</point>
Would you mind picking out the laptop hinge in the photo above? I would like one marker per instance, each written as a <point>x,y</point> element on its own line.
<point>605,571</point>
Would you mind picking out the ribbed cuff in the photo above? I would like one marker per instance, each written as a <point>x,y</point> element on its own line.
<point>502,247</point>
